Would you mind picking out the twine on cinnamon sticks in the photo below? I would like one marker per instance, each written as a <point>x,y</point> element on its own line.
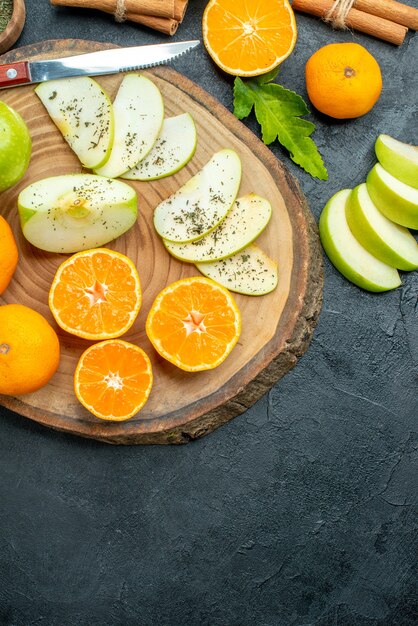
<point>162,15</point>
<point>337,14</point>
<point>388,20</point>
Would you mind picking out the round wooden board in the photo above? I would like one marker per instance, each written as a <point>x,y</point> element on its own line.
<point>276,328</point>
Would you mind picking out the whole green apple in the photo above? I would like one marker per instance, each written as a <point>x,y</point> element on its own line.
<point>15,147</point>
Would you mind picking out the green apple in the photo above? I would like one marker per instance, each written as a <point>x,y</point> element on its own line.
<point>83,112</point>
<point>395,199</point>
<point>203,202</point>
<point>139,112</point>
<point>398,158</point>
<point>175,146</point>
<point>347,254</point>
<point>15,146</point>
<point>250,272</point>
<point>76,212</point>
<point>247,218</point>
<point>387,241</point>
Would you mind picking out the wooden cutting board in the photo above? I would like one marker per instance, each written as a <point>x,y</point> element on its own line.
<point>276,328</point>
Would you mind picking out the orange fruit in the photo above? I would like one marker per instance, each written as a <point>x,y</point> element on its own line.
<point>249,37</point>
<point>113,379</point>
<point>194,323</point>
<point>29,350</point>
<point>8,254</point>
<point>343,80</point>
<point>96,294</point>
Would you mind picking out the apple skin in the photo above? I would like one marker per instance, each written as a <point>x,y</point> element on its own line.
<point>75,212</point>
<point>347,254</point>
<point>382,189</point>
<point>396,162</point>
<point>373,240</point>
<point>15,147</point>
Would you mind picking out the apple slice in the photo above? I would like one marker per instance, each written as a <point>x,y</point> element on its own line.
<point>76,212</point>
<point>203,202</point>
<point>347,254</point>
<point>387,241</point>
<point>250,272</point>
<point>83,113</point>
<point>396,200</point>
<point>139,114</point>
<point>247,218</point>
<point>398,158</point>
<point>175,146</point>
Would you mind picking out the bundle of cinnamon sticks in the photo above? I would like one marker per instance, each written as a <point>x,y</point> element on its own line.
<point>162,15</point>
<point>385,19</point>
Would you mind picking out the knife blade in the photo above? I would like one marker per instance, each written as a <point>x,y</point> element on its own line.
<point>92,63</point>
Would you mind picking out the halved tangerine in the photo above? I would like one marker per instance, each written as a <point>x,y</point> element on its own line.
<point>249,37</point>
<point>113,379</point>
<point>96,294</point>
<point>194,323</point>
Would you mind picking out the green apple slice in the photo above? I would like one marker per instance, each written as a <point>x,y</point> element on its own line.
<point>347,254</point>
<point>250,272</point>
<point>203,202</point>
<point>247,218</point>
<point>139,113</point>
<point>76,212</point>
<point>83,113</point>
<point>175,146</point>
<point>398,158</point>
<point>387,241</point>
<point>15,147</point>
<point>395,199</point>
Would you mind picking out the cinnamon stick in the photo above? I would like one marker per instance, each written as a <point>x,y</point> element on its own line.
<point>162,24</point>
<point>358,20</point>
<point>390,10</point>
<point>162,15</point>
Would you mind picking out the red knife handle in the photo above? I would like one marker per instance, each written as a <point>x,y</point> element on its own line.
<point>14,74</point>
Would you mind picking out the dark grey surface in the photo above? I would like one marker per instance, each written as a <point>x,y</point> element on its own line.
<point>300,512</point>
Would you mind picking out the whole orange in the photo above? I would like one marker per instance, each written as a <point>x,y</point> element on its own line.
<point>343,80</point>
<point>29,350</point>
<point>8,254</point>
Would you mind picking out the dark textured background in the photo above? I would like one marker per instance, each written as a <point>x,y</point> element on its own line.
<point>300,512</point>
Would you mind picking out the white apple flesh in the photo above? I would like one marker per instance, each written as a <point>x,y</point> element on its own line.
<point>83,112</point>
<point>245,221</point>
<point>203,202</point>
<point>395,199</point>
<point>175,146</point>
<point>139,112</point>
<point>399,159</point>
<point>250,272</point>
<point>347,254</point>
<point>387,241</point>
<point>76,212</point>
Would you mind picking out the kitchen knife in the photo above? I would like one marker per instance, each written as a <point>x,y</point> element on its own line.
<point>92,63</point>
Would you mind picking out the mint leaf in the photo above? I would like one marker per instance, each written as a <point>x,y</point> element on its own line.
<point>278,111</point>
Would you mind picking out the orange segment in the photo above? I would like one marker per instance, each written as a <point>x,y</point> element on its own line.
<point>194,323</point>
<point>96,294</point>
<point>249,37</point>
<point>9,254</point>
<point>113,379</point>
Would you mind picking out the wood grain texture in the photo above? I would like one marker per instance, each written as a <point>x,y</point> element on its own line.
<point>276,328</point>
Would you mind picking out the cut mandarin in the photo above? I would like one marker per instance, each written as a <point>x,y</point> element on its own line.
<point>113,379</point>
<point>96,294</point>
<point>194,323</point>
<point>249,37</point>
